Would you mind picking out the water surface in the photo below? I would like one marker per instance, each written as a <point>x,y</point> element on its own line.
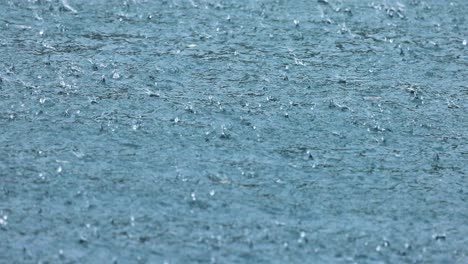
<point>211,131</point>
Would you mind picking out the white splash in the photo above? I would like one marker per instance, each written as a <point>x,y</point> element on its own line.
<point>68,6</point>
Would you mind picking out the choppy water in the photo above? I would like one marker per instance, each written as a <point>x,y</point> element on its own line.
<point>212,131</point>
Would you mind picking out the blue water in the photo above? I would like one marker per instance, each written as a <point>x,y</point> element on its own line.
<point>253,131</point>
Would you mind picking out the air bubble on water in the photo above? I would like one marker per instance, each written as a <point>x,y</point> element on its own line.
<point>212,193</point>
<point>132,220</point>
<point>224,132</point>
<point>189,108</point>
<point>302,237</point>
<point>63,84</point>
<point>3,220</point>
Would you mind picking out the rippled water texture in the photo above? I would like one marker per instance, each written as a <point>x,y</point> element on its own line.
<point>215,131</point>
